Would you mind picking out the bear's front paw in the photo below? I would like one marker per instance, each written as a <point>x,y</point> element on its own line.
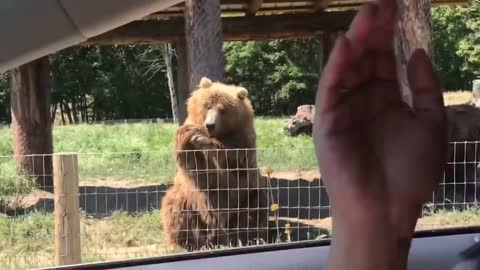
<point>200,141</point>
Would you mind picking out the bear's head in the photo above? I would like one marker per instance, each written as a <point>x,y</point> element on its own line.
<point>223,109</point>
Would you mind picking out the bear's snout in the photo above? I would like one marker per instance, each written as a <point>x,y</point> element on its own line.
<point>211,120</point>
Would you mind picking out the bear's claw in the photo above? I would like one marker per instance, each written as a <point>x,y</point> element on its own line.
<point>203,142</point>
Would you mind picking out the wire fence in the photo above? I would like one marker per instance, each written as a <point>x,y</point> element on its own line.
<point>71,207</point>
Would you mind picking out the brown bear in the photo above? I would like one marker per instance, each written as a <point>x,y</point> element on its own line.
<point>218,196</point>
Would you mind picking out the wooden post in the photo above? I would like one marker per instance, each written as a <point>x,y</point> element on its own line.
<point>204,40</point>
<point>414,31</point>
<point>67,213</point>
<point>328,41</point>
<point>31,121</point>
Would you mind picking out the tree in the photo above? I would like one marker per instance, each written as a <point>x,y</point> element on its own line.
<point>469,47</point>
<point>449,29</point>
<point>31,122</point>
<point>97,83</point>
<point>413,32</point>
<point>280,75</point>
<point>167,56</point>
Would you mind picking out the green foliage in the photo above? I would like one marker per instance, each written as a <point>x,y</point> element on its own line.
<point>4,98</point>
<point>469,47</point>
<point>109,82</point>
<point>280,75</point>
<point>449,29</point>
<point>12,183</point>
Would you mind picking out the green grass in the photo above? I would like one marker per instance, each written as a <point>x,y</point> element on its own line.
<point>10,181</point>
<point>28,241</point>
<point>143,152</point>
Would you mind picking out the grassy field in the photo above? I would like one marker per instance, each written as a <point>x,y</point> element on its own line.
<point>27,242</point>
<point>137,153</point>
<point>143,152</point>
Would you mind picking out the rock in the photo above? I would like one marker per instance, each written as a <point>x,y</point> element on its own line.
<point>302,121</point>
<point>475,100</point>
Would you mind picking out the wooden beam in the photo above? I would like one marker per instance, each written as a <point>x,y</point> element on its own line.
<point>328,41</point>
<point>253,6</point>
<point>286,26</point>
<point>278,6</point>
<point>319,5</point>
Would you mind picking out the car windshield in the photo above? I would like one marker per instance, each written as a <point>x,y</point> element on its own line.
<point>103,148</point>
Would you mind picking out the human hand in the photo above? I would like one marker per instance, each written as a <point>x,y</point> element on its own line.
<point>379,158</point>
<point>371,145</point>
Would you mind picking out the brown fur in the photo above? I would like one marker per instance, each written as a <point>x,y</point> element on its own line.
<point>216,189</point>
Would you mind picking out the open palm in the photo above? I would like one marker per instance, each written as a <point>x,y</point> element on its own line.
<point>374,150</point>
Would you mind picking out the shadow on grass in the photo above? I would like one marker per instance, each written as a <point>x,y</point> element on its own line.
<point>297,198</point>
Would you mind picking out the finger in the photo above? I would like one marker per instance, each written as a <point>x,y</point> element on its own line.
<point>360,72</point>
<point>424,84</point>
<point>380,95</point>
<point>338,65</point>
<point>387,8</point>
<point>378,65</point>
<point>385,27</point>
<point>385,66</point>
<point>362,27</point>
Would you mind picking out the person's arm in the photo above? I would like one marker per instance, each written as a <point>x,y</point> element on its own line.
<point>363,244</point>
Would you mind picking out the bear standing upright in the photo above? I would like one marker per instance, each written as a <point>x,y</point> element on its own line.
<point>218,197</point>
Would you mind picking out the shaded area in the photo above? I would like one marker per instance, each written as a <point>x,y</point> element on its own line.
<point>299,195</point>
<point>297,198</point>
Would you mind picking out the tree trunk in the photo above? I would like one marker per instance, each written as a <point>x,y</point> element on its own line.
<point>85,109</point>
<point>62,111</point>
<point>167,56</point>
<point>204,40</point>
<point>328,42</point>
<point>74,111</point>
<point>31,121</point>
<point>68,112</point>
<point>53,113</point>
<point>414,31</point>
<point>183,88</point>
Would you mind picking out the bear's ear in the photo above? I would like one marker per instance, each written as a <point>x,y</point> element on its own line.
<point>242,93</point>
<point>205,82</point>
